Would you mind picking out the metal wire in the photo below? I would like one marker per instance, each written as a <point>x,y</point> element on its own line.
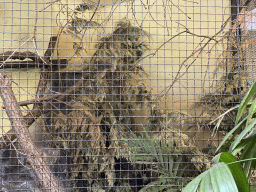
<point>119,95</point>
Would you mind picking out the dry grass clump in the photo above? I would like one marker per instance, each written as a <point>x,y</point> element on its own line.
<point>89,123</point>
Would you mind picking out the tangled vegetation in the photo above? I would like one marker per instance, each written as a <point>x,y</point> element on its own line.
<point>110,106</point>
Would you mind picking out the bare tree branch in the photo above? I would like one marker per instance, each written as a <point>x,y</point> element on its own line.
<point>35,159</point>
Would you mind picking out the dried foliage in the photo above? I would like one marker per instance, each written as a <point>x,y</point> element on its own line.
<point>111,102</point>
<point>87,125</point>
<point>231,87</point>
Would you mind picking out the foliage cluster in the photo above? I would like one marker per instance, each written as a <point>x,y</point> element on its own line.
<point>232,167</point>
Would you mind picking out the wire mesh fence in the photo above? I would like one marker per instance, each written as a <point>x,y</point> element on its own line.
<point>119,95</point>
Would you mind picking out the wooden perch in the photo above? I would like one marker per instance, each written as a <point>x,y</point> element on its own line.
<point>62,63</point>
<point>36,60</point>
<point>51,46</point>
<point>18,55</point>
<point>39,166</point>
<point>30,55</point>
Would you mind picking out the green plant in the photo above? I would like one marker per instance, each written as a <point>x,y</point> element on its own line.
<point>226,174</point>
<point>237,163</point>
<point>162,160</point>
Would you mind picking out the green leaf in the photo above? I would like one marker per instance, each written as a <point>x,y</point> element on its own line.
<point>249,152</point>
<point>236,170</point>
<point>222,178</point>
<point>251,134</point>
<point>251,112</point>
<point>241,146</point>
<point>244,103</point>
<point>238,126</point>
<point>176,167</point>
<point>169,157</point>
<point>242,135</point>
<point>151,147</point>
<point>214,182</point>
<point>206,184</point>
<point>193,185</point>
<point>157,185</point>
<point>227,145</point>
<point>217,179</point>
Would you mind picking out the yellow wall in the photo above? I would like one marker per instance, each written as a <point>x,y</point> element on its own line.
<point>161,21</point>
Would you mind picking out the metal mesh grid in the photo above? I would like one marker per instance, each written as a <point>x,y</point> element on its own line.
<point>117,95</point>
<point>248,37</point>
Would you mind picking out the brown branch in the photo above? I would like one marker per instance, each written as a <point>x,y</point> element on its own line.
<point>160,47</point>
<point>25,64</point>
<point>38,100</point>
<point>42,81</point>
<point>178,34</point>
<point>70,91</point>
<point>48,53</point>
<point>36,60</point>
<point>199,51</point>
<point>36,112</point>
<point>37,163</point>
<point>18,55</point>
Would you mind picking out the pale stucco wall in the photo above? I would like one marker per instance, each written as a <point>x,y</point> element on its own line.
<point>161,21</point>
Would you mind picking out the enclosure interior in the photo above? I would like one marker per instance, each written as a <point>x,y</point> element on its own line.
<point>122,95</point>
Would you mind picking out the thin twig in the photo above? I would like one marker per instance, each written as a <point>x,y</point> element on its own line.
<point>69,91</point>
<point>179,75</point>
